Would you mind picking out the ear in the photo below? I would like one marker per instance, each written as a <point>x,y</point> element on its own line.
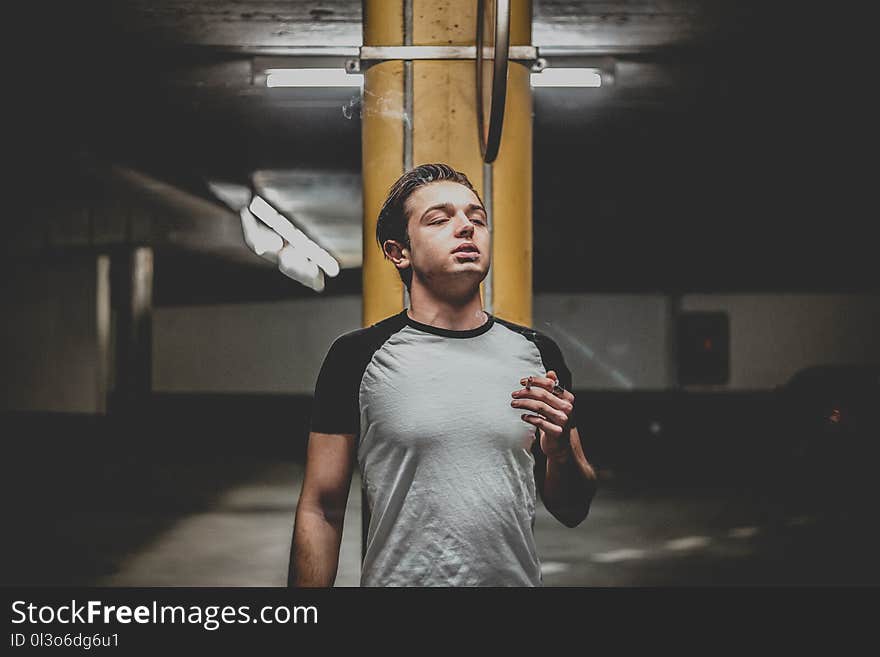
<point>397,253</point>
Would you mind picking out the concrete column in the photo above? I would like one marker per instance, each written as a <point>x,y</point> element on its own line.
<point>132,300</point>
<point>103,314</point>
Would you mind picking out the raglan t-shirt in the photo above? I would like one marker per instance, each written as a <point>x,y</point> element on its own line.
<point>446,462</point>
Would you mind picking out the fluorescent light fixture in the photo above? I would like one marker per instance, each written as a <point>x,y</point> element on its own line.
<point>312,77</point>
<point>262,240</point>
<point>293,263</point>
<point>567,77</point>
<point>297,239</point>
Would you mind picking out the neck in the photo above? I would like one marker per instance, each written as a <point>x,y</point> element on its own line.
<point>455,315</point>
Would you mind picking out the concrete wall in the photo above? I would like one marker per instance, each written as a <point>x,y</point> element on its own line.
<point>772,336</point>
<point>256,348</point>
<point>610,342</point>
<point>50,342</point>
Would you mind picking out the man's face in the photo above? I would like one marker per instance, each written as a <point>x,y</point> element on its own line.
<point>443,217</point>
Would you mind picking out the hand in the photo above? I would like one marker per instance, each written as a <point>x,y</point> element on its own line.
<point>553,413</point>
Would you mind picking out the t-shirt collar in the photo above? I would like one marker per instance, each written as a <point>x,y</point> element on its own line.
<point>449,333</point>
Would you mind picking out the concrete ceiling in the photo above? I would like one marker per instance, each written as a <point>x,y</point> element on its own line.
<point>604,24</point>
<point>705,125</point>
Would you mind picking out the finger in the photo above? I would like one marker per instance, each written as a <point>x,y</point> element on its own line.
<point>556,416</point>
<point>564,402</point>
<point>535,380</point>
<point>542,423</point>
<point>552,376</point>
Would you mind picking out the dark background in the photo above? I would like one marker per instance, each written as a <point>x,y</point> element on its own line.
<point>733,154</point>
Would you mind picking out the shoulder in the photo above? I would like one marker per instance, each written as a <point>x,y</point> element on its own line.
<point>539,338</point>
<point>516,328</point>
<point>367,339</point>
<point>547,347</point>
<point>348,357</point>
<point>335,407</point>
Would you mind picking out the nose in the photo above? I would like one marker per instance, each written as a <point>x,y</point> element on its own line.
<point>463,226</point>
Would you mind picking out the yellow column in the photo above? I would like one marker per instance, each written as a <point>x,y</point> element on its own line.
<point>444,129</point>
<point>512,186</point>
<point>382,154</point>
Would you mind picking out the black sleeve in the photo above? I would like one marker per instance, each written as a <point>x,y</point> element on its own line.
<point>553,360</point>
<point>336,407</point>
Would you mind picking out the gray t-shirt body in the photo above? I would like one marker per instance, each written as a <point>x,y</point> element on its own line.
<point>446,462</point>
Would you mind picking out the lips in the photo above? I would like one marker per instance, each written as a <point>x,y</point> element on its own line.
<point>466,248</point>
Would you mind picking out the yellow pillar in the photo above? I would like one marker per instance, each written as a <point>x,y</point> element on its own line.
<point>382,153</point>
<point>444,129</point>
<point>512,186</point>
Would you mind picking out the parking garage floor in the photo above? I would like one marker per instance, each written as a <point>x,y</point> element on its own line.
<point>230,525</point>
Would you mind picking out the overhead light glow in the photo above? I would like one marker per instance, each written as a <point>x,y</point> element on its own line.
<point>235,196</point>
<point>297,239</point>
<point>567,77</point>
<point>312,77</point>
<point>293,263</point>
<point>261,240</point>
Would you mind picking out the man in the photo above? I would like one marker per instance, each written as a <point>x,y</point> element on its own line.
<point>451,451</point>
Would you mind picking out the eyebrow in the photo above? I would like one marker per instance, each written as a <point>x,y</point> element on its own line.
<point>448,206</point>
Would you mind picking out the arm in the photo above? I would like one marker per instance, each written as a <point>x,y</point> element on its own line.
<point>564,477</point>
<point>569,483</point>
<point>317,532</point>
